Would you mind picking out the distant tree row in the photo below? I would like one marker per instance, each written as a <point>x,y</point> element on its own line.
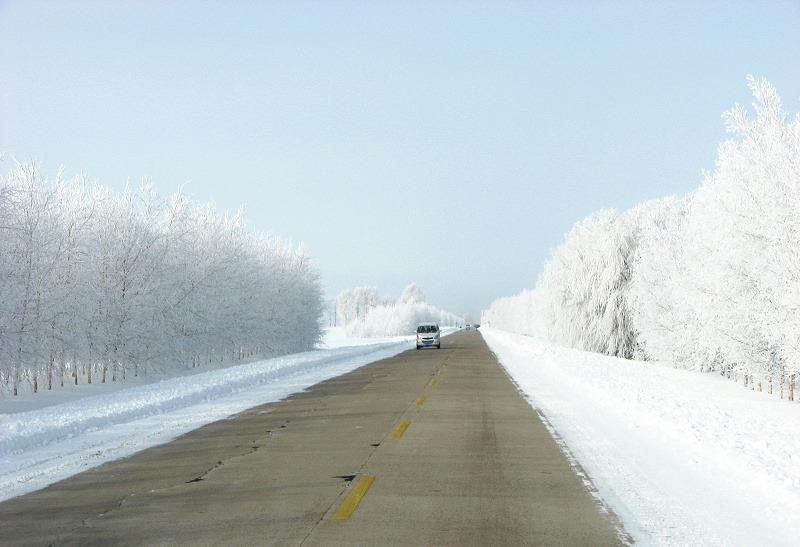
<point>710,282</point>
<point>353,304</point>
<point>96,286</point>
<point>364,314</point>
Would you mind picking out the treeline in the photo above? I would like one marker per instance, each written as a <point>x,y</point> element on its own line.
<point>710,282</point>
<point>366,314</point>
<point>96,286</point>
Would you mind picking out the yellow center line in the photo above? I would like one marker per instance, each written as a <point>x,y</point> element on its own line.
<point>400,429</point>
<point>353,498</point>
<point>440,372</point>
<point>421,400</point>
<point>433,382</point>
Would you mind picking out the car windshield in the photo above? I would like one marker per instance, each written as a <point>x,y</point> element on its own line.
<point>427,328</point>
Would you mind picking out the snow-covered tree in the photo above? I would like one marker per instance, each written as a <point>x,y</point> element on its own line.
<point>520,314</point>
<point>99,286</point>
<point>399,319</point>
<point>585,284</point>
<point>30,267</point>
<point>710,282</point>
<point>354,304</point>
<point>412,294</point>
<point>659,312</point>
<point>743,244</point>
<point>364,314</point>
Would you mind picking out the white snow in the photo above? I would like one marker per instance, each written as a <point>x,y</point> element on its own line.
<point>47,437</point>
<point>683,458</point>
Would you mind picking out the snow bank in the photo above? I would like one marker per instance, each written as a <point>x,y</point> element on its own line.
<point>682,458</point>
<point>39,447</point>
<point>27,429</point>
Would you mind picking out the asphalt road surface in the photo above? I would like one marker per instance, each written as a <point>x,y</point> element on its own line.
<point>431,447</point>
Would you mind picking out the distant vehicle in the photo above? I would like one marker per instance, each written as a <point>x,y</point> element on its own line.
<point>428,335</point>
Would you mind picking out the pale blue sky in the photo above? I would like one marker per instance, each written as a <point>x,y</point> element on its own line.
<point>448,143</point>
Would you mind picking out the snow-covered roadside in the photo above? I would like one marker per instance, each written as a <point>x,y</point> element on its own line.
<point>46,444</point>
<point>683,458</point>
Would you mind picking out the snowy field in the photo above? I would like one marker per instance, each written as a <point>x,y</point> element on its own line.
<point>682,458</point>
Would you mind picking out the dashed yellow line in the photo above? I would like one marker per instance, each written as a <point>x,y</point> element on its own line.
<point>421,399</point>
<point>353,498</point>
<point>400,429</point>
<point>433,382</point>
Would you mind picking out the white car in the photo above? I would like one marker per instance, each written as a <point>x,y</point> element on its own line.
<point>428,335</point>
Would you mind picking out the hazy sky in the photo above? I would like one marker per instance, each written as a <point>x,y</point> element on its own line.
<point>448,143</point>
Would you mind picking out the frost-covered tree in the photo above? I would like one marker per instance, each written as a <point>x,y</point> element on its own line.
<point>30,265</point>
<point>743,235</point>
<point>364,314</point>
<point>715,278</point>
<point>581,297</point>
<point>353,304</point>
<point>412,294</point>
<point>710,282</point>
<point>129,254</point>
<point>78,210</point>
<point>584,287</point>
<point>399,319</point>
<point>99,286</point>
<point>660,313</point>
